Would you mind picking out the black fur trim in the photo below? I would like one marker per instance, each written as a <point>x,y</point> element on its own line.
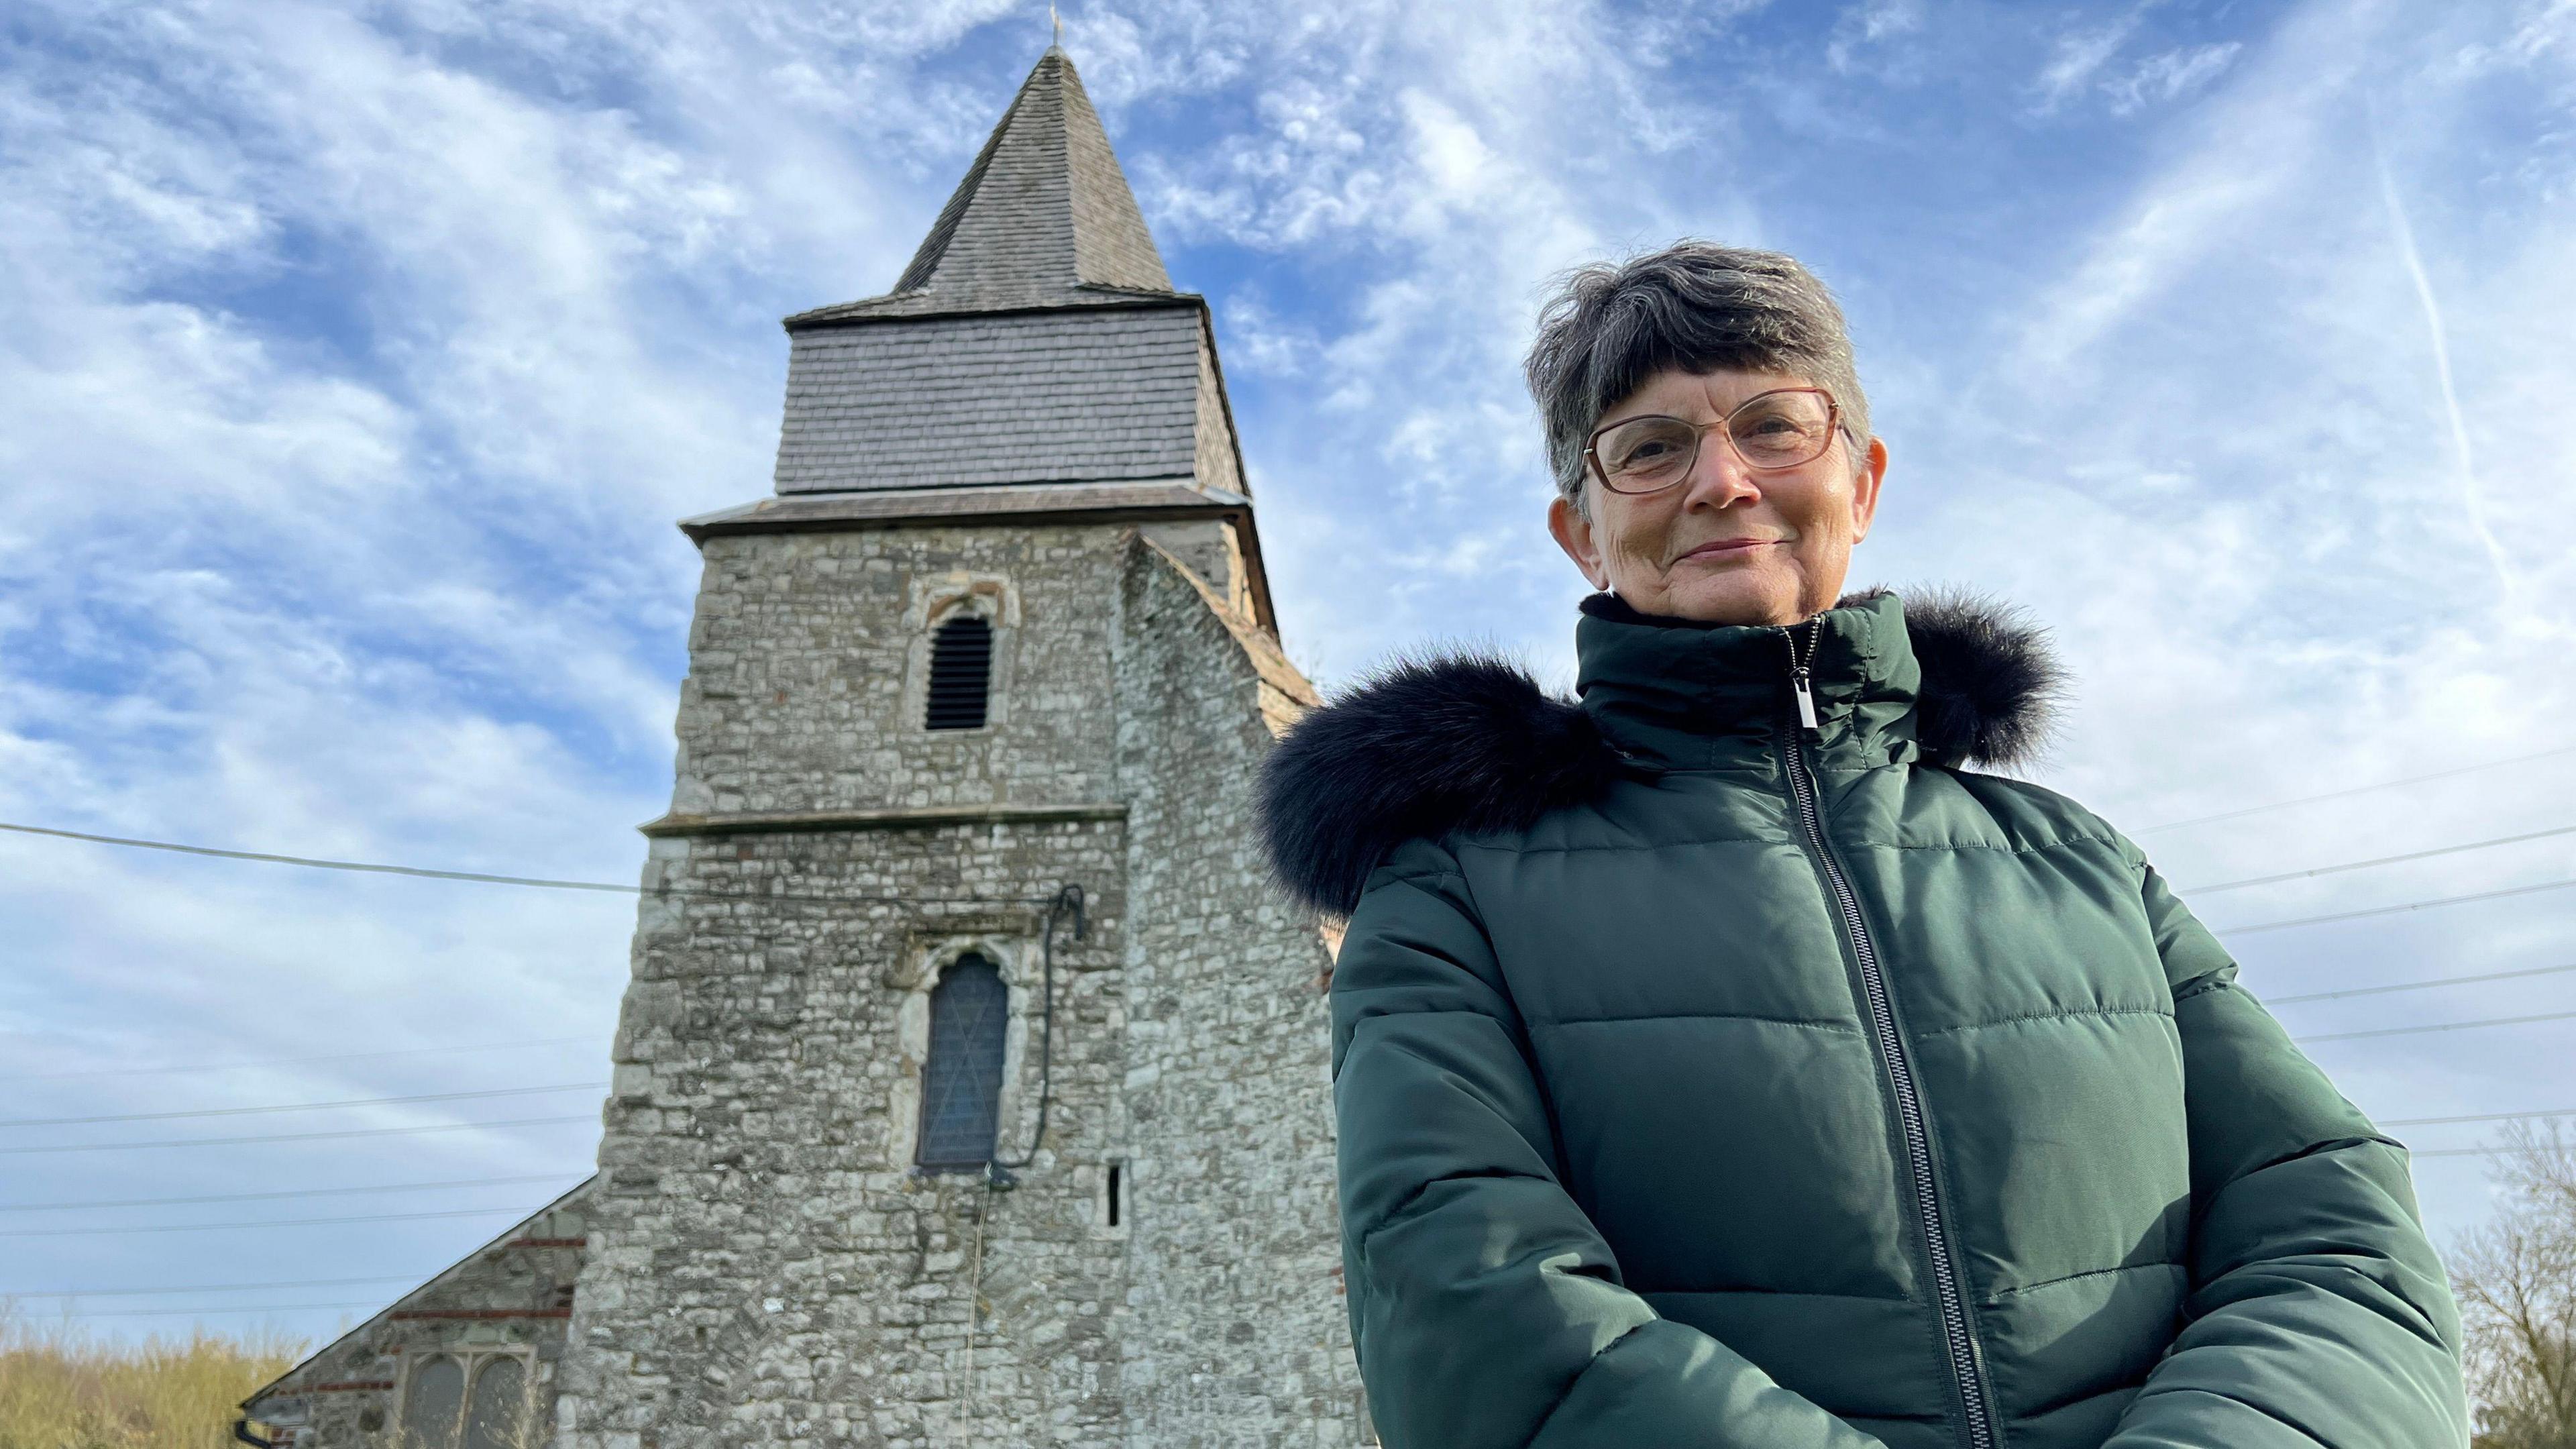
<point>1470,742</point>
<point>1424,747</point>
<point>1991,687</point>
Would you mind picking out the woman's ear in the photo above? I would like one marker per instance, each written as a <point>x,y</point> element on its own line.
<point>1865,481</point>
<point>1573,533</point>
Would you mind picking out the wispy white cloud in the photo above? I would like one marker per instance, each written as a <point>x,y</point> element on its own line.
<point>2168,75</point>
<point>1865,27</point>
<point>2080,54</point>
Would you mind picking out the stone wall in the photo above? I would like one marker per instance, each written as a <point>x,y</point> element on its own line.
<point>1240,1334</point>
<point>767,1266</point>
<point>808,656</point>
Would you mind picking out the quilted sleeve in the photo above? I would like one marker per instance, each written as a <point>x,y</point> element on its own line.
<point>2319,1314</point>
<point>1486,1309</point>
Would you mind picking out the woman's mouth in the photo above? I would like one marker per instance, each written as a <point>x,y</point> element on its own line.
<point>1726,548</point>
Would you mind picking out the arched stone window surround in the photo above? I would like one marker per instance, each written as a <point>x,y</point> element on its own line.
<point>939,598</point>
<point>1015,958</point>
<point>469,1363</point>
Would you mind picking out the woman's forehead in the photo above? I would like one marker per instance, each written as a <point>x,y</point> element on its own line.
<point>1694,394</point>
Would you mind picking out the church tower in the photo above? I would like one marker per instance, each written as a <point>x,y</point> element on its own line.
<point>971,1084</point>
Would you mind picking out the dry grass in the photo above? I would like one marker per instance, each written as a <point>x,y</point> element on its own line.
<point>64,1388</point>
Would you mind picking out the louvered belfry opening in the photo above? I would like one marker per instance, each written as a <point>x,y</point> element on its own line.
<point>961,674</point>
<point>961,1082</point>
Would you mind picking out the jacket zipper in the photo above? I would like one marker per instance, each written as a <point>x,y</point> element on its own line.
<point>1953,1303</point>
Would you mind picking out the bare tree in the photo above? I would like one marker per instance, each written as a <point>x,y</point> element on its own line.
<point>2516,1279</point>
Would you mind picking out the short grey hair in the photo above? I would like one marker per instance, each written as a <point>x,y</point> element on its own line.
<point>1694,306</point>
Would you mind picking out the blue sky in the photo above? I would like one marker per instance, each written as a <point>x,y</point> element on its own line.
<point>355,361</point>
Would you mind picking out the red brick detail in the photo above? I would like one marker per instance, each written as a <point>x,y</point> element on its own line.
<point>483,1313</point>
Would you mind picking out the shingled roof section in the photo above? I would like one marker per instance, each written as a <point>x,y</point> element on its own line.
<point>1043,219</point>
<point>1034,361</point>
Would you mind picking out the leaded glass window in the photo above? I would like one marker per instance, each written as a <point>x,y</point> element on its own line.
<point>961,1082</point>
<point>496,1419</point>
<point>437,1399</point>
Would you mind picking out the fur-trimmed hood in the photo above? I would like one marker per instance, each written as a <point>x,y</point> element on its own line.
<point>1469,741</point>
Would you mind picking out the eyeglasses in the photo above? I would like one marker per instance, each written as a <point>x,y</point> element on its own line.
<point>1778,429</point>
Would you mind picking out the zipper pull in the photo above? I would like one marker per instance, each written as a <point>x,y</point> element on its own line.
<point>1798,679</point>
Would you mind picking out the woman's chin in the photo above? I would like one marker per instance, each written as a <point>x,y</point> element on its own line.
<point>1729,599</point>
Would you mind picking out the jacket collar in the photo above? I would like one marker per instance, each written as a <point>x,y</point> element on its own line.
<point>1673,694</point>
<point>1469,742</point>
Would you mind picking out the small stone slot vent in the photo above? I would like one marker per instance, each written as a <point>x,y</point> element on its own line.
<point>961,673</point>
<point>1117,1214</point>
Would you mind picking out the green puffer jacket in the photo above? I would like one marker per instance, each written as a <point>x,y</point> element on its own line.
<point>1705,1079</point>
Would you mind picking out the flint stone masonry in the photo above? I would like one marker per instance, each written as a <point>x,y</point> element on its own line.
<point>767,1268</point>
<point>810,659</point>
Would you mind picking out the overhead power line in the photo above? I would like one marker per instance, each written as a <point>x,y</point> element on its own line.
<point>2423,985</point>
<point>491,1212</point>
<point>2263,880</point>
<point>2355,790</point>
<point>302,1061</point>
<point>200,1312</point>
<point>2547,885</point>
<point>307,1106</point>
<point>2480,1117</point>
<point>206,1288</point>
<point>538,882</point>
<point>2438,1026</point>
<point>590,1117</point>
<point>125,1202</point>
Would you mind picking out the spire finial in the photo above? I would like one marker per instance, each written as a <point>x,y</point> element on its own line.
<point>1058,22</point>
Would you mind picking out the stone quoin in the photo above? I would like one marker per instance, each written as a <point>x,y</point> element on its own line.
<point>1030,435</point>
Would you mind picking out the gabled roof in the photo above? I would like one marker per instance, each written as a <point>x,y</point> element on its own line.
<point>468,1288</point>
<point>1043,219</point>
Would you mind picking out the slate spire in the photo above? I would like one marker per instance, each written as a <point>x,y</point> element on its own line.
<point>1044,216</point>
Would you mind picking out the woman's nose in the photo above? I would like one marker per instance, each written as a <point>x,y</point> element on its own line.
<point>1718,478</point>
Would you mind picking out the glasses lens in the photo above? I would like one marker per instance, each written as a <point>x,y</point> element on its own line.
<point>1643,454</point>
<point>1781,429</point>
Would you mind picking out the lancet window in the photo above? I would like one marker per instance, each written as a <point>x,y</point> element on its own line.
<point>961,1079</point>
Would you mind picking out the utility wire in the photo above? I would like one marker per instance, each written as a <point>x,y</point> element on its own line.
<point>539,882</point>
<point>2441,1026</point>
<point>2479,1117</point>
<point>490,1212</point>
<point>200,1312</point>
<point>2547,885</point>
<point>2263,880</point>
<point>2415,985</point>
<point>2354,790</point>
<point>302,1061</point>
<point>205,1288</point>
<point>307,1106</point>
<point>56,1207</point>
<point>591,1117</point>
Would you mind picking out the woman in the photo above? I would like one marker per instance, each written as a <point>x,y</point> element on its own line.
<point>1725,1060</point>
